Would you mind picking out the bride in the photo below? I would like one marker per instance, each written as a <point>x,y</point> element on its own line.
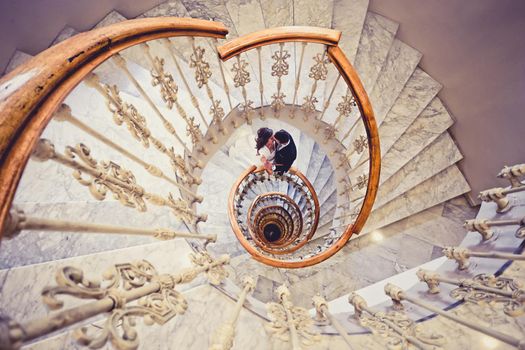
<point>265,145</point>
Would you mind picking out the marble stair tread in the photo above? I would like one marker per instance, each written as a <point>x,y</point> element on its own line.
<point>53,182</point>
<point>323,175</point>
<point>376,39</point>
<point>111,18</point>
<point>445,185</point>
<point>277,13</point>
<point>304,152</point>
<point>432,122</point>
<point>327,190</point>
<point>170,8</point>
<point>22,286</point>
<point>399,65</point>
<point>316,160</point>
<point>66,33</point>
<point>211,10</point>
<point>437,156</point>
<point>18,58</point>
<point>349,17</point>
<point>418,92</point>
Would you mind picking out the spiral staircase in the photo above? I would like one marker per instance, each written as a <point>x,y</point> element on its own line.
<point>147,134</point>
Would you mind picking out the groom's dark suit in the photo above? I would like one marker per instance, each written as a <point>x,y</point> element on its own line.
<point>285,157</point>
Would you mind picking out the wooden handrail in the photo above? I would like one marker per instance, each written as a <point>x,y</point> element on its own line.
<point>32,93</point>
<point>347,71</point>
<point>270,36</point>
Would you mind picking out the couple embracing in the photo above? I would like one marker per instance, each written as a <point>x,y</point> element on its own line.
<point>278,150</point>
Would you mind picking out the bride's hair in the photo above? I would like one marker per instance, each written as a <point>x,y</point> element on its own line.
<point>263,135</point>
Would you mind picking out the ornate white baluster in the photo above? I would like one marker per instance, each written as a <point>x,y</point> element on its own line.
<point>397,295</point>
<point>483,226</point>
<point>64,114</point>
<point>290,323</point>
<point>279,69</point>
<point>169,45</point>
<point>225,334</point>
<point>158,302</point>
<point>513,174</point>
<point>482,288</point>
<point>17,221</point>
<point>461,255</point>
<point>399,329</point>
<point>321,307</point>
<point>101,177</point>
<point>298,79</point>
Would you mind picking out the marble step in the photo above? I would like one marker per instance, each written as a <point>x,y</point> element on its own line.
<point>323,175</point>
<point>18,58</point>
<point>170,8</point>
<point>111,18</point>
<point>22,286</point>
<point>417,93</point>
<point>432,122</point>
<point>439,155</point>
<point>66,33</point>
<point>445,185</point>
<point>315,163</point>
<point>349,17</point>
<point>376,39</point>
<point>399,65</point>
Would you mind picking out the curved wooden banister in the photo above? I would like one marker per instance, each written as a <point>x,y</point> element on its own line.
<point>347,71</point>
<point>264,37</point>
<point>239,234</point>
<point>31,93</point>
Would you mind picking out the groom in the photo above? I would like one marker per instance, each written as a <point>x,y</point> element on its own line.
<point>285,152</point>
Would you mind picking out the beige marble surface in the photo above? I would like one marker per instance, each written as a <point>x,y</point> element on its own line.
<point>439,155</point>
<point>172,8</point>
<point>277,13</point>
<point>349,17</point>
<point>376,38</point>
<point>17,59</point>
<point>313,13</point>
<point>399,65</point>
<point>417,93</point>
<point>65,33</point>
<point>110,18</point>
<point>445,185</point>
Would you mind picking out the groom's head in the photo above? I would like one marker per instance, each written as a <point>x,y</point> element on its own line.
<point>281,137</point>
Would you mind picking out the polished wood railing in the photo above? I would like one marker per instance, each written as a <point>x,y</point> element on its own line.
<point>356,95</point>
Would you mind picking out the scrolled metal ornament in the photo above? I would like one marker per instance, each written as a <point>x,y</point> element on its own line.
<point>469,290</point>
<point>202,68</point>
<point>168,87</point>
<point>106,176</point>
<point>154,308</point>
<point>215,274</point>
<point>124,113</point>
